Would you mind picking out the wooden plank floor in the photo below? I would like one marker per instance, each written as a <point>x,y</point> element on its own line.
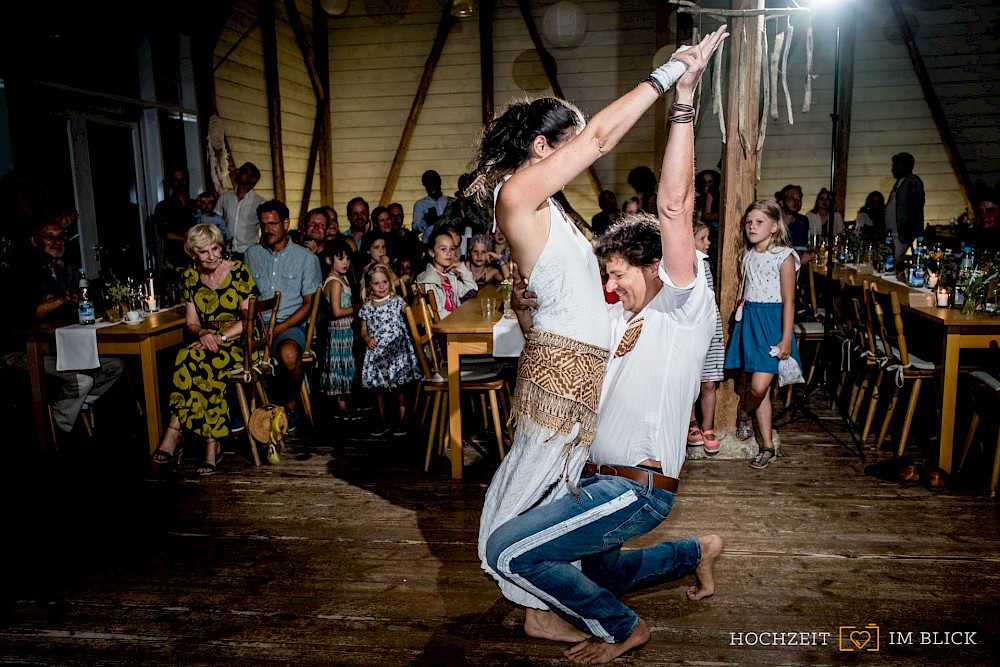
<point>349,554</point>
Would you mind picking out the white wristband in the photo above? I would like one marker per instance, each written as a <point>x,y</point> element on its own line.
<point>666,75</point>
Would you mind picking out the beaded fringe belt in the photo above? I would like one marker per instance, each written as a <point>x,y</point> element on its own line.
<point>559,383</point>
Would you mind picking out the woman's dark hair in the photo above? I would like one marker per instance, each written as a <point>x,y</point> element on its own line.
<point>822,191</point>
<point>439,230</point>
<point>717,177</point>
<point>369,238</point>
<point>506,140</point>
<point>376,212</point>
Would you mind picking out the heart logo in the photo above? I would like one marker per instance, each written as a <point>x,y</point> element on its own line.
<point>860,639</point>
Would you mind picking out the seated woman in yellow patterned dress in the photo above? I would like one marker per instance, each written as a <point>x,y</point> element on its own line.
<point>216,290</point>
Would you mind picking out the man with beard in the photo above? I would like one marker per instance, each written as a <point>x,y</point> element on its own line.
<point>278,265</point>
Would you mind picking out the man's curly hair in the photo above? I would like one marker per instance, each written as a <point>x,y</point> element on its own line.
<point>635,238</point>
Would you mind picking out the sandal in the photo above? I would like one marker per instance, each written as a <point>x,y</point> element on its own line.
<point>759,462</point>
<point>209,469</point>
<point>711,442</point>
<point>695,436</point>
<point>160,456</point>
<point>744,428</point>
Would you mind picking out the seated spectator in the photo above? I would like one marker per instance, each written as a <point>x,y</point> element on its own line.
<point>819,216</point>
<point>216,291</point>
<point>482,272</point>
<point>48,292</point>
<point>707,201</point>
<point>357,215</point>
<point>449,280</point>
<point>277,265</point>
<point>790,200</point>
<point>466,214</point>
<point>643,181</point>
<point>402,242</point>
<point>500,255</point>
<point>315,234</point>
<point>206,214</point>
<point>173,217</point>
<point>632,206</point>
<point>871,217</point>
<point>428,210</point>
<point>608,215</point>
<point>986,232</point>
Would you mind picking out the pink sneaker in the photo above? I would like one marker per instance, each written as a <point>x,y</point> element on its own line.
<point>711,442</point>
<point>695,436</point>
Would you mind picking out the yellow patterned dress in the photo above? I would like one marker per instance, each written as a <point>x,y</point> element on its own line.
<point>198,398</point>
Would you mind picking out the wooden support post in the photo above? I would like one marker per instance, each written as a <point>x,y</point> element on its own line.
<point>444,27</point>
<point>486,56</point>
<point>319,91</point>
<point>269,41</point>
<point>549,65</point>
<point>739,175</point>
<point>321,46</point>
<point>848,32</point>
<point>933,103</point>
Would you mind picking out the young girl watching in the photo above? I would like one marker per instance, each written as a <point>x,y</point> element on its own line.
<point>764,320</point>
<point>711,372</point>
<point>479,251</point>
<point>337,377</point>
<point>445,276</point>
<point>390,361</point>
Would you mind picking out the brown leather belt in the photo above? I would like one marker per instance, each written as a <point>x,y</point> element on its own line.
<point>659,480</point>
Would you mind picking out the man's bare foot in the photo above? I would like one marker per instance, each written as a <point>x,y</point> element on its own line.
<point>596,651</point>
<point>704,579</point>
<point>548,625</point>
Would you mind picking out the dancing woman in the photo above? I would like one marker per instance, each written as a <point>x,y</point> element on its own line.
<point>529,153</point>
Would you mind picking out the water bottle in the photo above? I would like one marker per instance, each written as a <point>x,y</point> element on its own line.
<point>85,306</point>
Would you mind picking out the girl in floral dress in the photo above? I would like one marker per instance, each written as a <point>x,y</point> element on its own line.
<point>390,361</point>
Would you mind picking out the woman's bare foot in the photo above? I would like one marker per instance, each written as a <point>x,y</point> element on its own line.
<point>596,651</point>
<point>704,579</point>
<point>548,625</point>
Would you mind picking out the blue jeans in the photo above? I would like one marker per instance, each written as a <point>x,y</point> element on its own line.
<point>537,549</point>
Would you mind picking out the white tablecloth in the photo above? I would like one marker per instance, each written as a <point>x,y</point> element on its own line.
<point>76,346</point>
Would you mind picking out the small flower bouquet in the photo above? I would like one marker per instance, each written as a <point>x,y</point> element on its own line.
<point>506,290</point>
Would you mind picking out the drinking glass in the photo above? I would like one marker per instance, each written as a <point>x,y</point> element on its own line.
<point>489,305</point>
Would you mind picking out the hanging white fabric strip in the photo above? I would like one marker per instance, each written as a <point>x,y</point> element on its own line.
<point>779,43</point>
<point>784,72</point>
<point>807,102</point>
<point>717,107</point>
<point>742,90</point>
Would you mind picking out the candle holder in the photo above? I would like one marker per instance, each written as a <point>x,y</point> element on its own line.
<point>943,297</point>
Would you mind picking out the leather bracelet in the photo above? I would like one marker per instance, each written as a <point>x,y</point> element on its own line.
<point>655,84</point>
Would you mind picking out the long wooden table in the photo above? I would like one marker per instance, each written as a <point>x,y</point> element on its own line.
<point>156,332</point>
<point>958,332</point>
<point>466,331</point>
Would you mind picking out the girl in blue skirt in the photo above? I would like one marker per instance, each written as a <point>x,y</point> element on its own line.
<point>764,317</point>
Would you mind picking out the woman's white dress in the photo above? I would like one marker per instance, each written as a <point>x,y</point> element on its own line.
<point>571,303</point>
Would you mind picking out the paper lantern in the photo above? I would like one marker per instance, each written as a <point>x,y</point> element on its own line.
<point>463,9</point>
<point>564,24</point>
<point>334,7</point>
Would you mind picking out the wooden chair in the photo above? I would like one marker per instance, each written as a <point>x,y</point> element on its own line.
<point>860,364</point>
<point>256,360</point>
<point>899,365</point>
<point>985,392</point>
<point>434,387</point>
<point>433,302</point>
<point>809,334</point>
<point>308,358</point>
